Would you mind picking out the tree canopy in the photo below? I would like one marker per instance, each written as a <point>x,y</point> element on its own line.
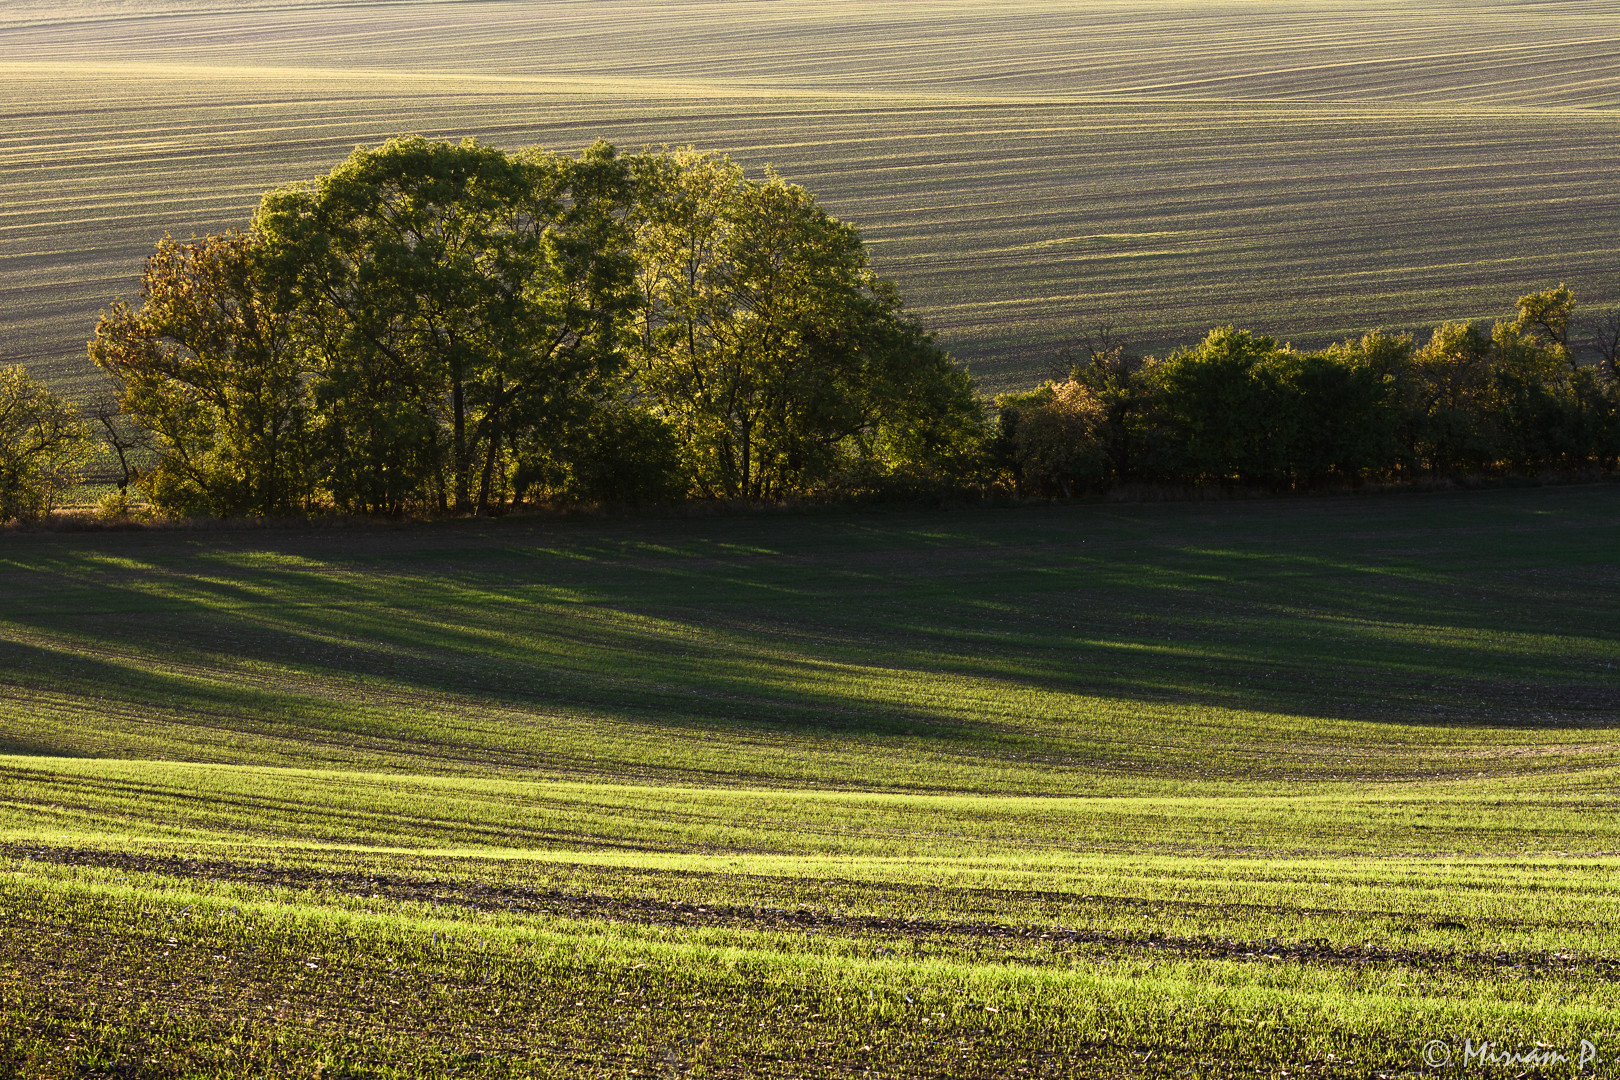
<point>1240,409</point>
<point>764,337</point>
<point>455,327</point>
<point>212,369</point>
<point>44,444</point>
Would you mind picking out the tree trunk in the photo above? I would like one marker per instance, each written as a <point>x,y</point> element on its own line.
<point>492,422</point>
<point>459,450</point>
<point>482,510</point>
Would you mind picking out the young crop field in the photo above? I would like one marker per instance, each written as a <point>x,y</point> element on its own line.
<point>1320,787</point>
<point>1303,169</point>
<point>1314,786</point>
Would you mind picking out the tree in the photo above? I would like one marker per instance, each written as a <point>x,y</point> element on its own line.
<point>1336,402</point>
<point>457,297</point>
<point>1055,437</point>
<point>211,367</point>
<point>1532,408</point>
<point>44,444</point>
<point>1601,334</point>
<point>454,326</point>
<point>1241,407</point>
<point>620,453</point>
<point>1220,412</point>
<point>1097,342</point>
<point>1371,428</point>
<point>388,261</point>
<point>1545,317</point>
<point>1449,398</point>
<point>1506,398</point>
<point>121,436</point>
<point>763,337</point>
<point>926,429</point>
<point>1100,359</point>
<point>562,392</point>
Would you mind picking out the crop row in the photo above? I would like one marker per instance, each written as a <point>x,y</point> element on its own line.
<point>1319,211</point>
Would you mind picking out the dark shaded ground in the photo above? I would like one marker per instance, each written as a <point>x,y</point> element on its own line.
<point>1495,610</point>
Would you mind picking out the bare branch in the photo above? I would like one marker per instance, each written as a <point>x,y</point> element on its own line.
<point>1600,338</point>
<point>120,433</point>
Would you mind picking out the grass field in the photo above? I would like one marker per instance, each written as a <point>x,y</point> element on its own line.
<point>1305,169</point>
<point>1282,787</point>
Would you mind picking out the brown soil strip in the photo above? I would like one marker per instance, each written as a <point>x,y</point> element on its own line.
<point>525,900</point>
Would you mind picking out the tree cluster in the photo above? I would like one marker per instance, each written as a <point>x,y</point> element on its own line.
<point>435,327</point>
<point>440,327</point>
<point>1240,409</point>
<point>44,445</point>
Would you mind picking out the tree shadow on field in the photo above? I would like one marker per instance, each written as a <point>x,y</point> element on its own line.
<point>346,680</point>
<point>876,625</point>
<point>17,746</point>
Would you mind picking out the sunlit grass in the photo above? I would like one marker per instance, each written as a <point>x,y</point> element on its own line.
<point>1220,789</point>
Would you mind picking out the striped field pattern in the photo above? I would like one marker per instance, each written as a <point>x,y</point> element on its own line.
<point>1305,169</point>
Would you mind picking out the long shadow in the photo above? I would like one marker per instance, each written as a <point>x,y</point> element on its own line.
<point>20,747</point>
<point>1487,612</point>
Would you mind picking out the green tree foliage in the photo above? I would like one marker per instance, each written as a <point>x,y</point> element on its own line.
<point>1219,410</point>
<point>458,300</point>
<point>1240,409</point>
<point>620,453</point>
<point>459,328</point>
<point>454,327</point>
<point>761,334</point>
<point>1055,437</point>
<point>1545,317</point>
<point>209,366</point>
<point>1101,363</point>
<point>44,444</point>
<point>1345,395</point>
<point>1450,386</point>
<point>925,425</point>
<point>1511,396</point>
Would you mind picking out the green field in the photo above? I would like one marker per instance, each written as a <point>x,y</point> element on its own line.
<point>1270,788</point>
<point>1241,788</point>
<point>1305,169</point>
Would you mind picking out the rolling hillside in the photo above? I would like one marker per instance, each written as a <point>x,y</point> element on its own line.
<point>1229,790</point>
<point>1304,169</point>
